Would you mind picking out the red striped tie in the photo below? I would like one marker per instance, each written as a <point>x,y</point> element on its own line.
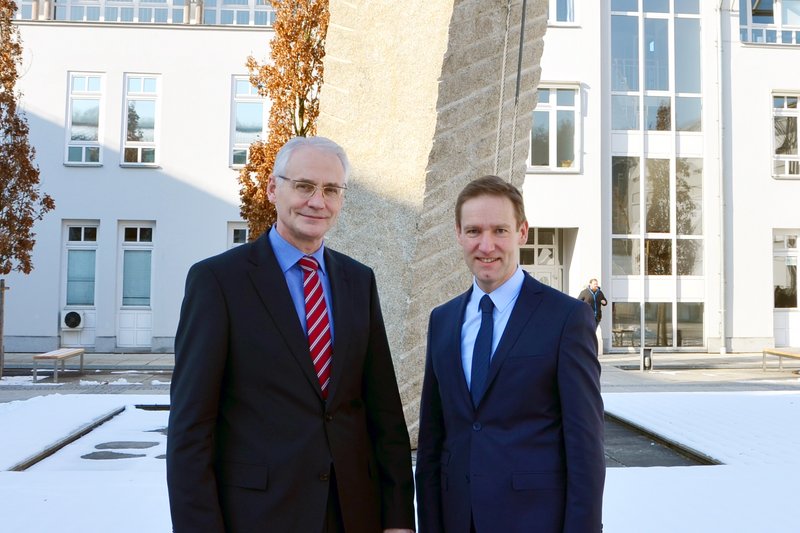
<point>319,328</point>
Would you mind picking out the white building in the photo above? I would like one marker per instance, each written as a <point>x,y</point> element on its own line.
<point>138,122</point>
<point>665,157</point>
<point>664,162</point>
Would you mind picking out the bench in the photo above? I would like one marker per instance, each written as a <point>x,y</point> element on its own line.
<point>57,356</point>
<point>794,353</point>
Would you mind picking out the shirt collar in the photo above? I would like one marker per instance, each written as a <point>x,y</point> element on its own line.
<point>503,295</point>
<point>288,256</point>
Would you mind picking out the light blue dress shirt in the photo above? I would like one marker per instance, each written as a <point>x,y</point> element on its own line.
<point>503,297</point>
<point>288,256</point>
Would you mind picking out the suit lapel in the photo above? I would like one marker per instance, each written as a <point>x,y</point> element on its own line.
<point>530,296</point>
<point>455,362</point>
<point>270,284</point>
<point>341,290</point>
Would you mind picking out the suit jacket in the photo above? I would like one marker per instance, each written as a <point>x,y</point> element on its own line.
<point>251,440</point>
<point>529,458</point>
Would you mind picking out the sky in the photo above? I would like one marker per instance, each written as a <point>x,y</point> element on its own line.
<point>755,434</point>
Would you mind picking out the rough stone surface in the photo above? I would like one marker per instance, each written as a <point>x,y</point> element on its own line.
<point>422,95</point>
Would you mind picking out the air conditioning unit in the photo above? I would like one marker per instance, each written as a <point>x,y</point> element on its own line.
<point>72,320</point>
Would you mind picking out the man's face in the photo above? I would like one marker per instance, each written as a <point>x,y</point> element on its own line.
<point>593,284</point>
<point>303,222</point>
<point>490,239</point>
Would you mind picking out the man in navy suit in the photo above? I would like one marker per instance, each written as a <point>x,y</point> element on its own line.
<point>261,437</point>
<point>511,417</point>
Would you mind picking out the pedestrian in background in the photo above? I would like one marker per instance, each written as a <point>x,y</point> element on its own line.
<point>594,296</point>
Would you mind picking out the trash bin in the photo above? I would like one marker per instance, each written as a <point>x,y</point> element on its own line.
<point>646,362</point>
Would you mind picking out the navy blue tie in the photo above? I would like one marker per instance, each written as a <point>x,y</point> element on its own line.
<point>481,353</point>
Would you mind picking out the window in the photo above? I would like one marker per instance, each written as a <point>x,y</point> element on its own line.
<point>83,119</point>
<point>81,248</point>
<point>769,21</point>
<point>786,158</point>
<point>655,65</point>
<point>238,233</point>
<point>784,268</point>
<point>140,121</point>
<point>238,12</point>
<point>137,251</point>
<point>561,11</point>
<point>247,119</point>
<point>555,134</point>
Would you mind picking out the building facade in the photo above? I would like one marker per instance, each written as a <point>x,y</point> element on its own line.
<point>664,159</point>
<point>664,162</point>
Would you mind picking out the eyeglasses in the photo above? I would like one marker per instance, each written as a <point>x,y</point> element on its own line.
<point>307,190</point>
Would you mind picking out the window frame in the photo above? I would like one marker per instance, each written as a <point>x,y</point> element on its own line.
<point>252,97</point>
<point>140,146</point>
<point>136,245</point>
<point>84,95</point>
<point>79,245</point>
<point>759,33</point>
<point>553,108</point>
<point>552,7</point>
<point>233,227</point>
<point>792,162</point>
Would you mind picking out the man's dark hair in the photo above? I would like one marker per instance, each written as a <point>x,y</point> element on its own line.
<point>491,186</point>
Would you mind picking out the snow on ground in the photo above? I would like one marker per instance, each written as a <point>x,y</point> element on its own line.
<point>756,435</point>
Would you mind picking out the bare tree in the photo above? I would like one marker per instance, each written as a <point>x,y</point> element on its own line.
<point>292,81</point>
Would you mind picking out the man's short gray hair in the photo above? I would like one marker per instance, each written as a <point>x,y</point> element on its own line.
<point>320,143</point>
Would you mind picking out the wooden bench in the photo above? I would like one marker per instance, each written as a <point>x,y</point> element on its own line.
<point>57,356</point>
<point>794,353</point>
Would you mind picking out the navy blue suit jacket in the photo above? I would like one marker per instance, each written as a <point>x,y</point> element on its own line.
<point>529,458</point>
<point>251,440</point>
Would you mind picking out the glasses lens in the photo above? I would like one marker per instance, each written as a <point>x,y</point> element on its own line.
<point>306,190</point>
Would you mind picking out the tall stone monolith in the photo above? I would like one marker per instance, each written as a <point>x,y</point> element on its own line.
<point>425,95</point>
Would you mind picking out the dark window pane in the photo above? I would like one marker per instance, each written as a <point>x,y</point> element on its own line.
<point>131,234</point>
<point>90,233</point>
<point>145,234</point>
<point>658,201</point>
<point>566,139</point>
<point>657,113</point>
<point>784,274</point>
<point>690,324</point>
<point>625,195</point>
<point>131,155</point>
<point>527,256</point>
<point>658,324</point>
<point>540,139</point>
<point>658,257</point>
<point>625,320</point>
<point>625,257</point>
<point>690,257</point>
<point>74,233</point>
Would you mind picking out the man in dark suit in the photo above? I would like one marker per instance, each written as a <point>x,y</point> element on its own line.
<point>511,417</point>
<point>285,414</point>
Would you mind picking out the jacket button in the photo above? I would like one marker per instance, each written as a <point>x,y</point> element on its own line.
<point>476,426</point>
<point>328,418</point>
<point>324,476</point>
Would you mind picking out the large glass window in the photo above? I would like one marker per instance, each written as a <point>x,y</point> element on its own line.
<point>555,131</point>
<point>655,65</point>
<point>690,324</point>
<point>137,251</point>
<point>658,324</point>
<point>626,194</point>
<point>141,114</point>
<point>84,141</point>
<point>248,119</point>
<point>786,158</point>
<point>625,324</point>
<point>770,21</point>
<point>81,243</point>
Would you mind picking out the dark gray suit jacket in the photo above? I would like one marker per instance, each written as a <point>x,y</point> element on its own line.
<point>251,441</point>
